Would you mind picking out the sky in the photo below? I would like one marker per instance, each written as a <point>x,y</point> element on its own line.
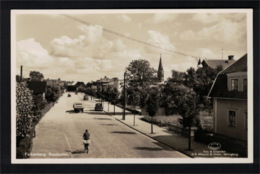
<point>61,47</point>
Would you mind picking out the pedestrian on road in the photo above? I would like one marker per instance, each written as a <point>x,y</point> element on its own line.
<point>86,140</point>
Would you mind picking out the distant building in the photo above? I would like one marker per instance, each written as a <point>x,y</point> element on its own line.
<point>51,82</point>
<point>38,87</point>
<point>229,93</point>
<point>214,63</point>
<point>105,83</point>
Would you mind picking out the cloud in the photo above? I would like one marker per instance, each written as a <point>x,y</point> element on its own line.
<point>188,35</point>
<point>124,18</point>
<point>92,44</point>
<point>163,17</point>
<point>31,54</point>
<point>206,18</point>
<point>93,33</point>
<point>224,31</point>
<point>160,40</point>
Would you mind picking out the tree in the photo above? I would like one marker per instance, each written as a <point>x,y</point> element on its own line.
<point>183,100</point>
<point>53,93</point>
<point>134,99</point>
<point>139,76</point>
<point>190,79</point>
<point>140,73</point>
<point>177,77</point>
<point>78,84</point>
<point>24,104</point>
<point>114,97</point>
<point>38,104</point>
<point>153,103</point>
<point>36,76</point>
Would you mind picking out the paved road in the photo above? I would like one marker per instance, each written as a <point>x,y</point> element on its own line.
<point>59,135</point>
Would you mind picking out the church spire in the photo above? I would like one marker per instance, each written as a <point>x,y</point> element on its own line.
<point>160,72</point>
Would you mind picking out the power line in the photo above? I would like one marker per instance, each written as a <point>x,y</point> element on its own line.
<point>130,38</point>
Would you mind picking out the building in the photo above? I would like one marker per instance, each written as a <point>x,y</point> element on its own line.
<point>52,82</point>
<point>214,63</point>
<point>229,93</point>
<point>107,82</point>
<point>160,72</point>
<point>38,87</point>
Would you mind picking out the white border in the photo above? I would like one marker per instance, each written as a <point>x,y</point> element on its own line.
<point>134,160</point>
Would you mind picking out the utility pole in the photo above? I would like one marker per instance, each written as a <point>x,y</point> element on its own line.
<point>21,73</point>
<point>101,94</point>
<point>124,98</point>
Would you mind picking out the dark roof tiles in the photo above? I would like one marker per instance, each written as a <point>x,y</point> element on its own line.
<point>219,87</point>
<point>213,63</point>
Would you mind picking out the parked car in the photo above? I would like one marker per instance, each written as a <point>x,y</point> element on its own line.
<point>78,107</point>
<point>98,107</point>
<point>85,97</point>
<point>69,95</point>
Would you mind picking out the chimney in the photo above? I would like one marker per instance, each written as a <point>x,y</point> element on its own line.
<point>21,74</point>
<point>231,57</point>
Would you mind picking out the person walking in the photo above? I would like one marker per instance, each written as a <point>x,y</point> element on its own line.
<point>86,140</point>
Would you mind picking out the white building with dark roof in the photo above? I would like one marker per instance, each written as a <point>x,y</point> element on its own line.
<point>229,93</point>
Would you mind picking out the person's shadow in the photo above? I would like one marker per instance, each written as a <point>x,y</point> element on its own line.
<point>76,151</point>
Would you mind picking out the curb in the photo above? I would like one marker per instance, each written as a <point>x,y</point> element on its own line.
<point>181,151</point>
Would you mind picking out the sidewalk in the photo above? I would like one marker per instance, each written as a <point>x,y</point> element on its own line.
<point>161,134</point>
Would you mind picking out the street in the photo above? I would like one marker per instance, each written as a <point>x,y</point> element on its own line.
<point>59,135</point>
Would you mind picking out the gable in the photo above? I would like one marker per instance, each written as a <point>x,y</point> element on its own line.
<point>220,85</point>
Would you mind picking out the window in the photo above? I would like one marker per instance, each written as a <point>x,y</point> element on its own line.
<point>234,84</point>
<point>245,84</point>
<point>232,118</point>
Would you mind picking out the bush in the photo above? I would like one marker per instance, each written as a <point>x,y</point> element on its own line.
<point>24,105</point>
<point>53,93</point>
<point>39,104</point>
<point>162,120</point>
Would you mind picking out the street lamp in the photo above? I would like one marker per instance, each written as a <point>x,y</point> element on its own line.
<point>123,117</point>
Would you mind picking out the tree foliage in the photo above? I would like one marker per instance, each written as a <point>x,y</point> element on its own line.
<point>24,104</point>
<point>182,100</point>
<point>139,73</point>
<point>139,76</point>
<point>39,104</point>
<point>153,101</point>
<point>36,76</point>
<point>53,93</point>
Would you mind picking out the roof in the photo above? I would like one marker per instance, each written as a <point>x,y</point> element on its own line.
<point>219,87</point>
<point>213,63</point>
<point>239,66</point>
<point>38,87</point>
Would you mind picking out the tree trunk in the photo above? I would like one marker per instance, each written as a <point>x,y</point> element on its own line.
<point>134,115</point>
<point>134,118</point>
<point>189,138</point>
<point>108,106</point>
<point>114,109</point>
<point>151,125</point>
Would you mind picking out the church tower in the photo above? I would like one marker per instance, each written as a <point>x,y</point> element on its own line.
<point>160,72</point>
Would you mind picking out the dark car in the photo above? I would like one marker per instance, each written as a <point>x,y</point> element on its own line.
<point>85,97</point>
<point>98,107</point>
<point>69,95</point>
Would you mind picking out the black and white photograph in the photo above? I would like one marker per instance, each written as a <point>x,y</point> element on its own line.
<point>132,86</point>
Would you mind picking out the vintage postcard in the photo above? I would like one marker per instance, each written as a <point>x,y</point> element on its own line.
<point>132,86</point>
